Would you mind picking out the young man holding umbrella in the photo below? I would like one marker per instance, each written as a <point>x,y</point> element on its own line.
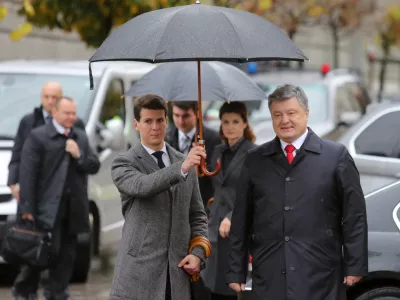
<point>163,210</point>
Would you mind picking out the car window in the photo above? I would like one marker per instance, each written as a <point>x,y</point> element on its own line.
<point>20,93</point>
<point>114,104</point>
<point>381,138</point>
<point>350,98</point>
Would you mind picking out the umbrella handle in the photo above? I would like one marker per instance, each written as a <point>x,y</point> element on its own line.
<point>208,173</point>
<point>203,166</point>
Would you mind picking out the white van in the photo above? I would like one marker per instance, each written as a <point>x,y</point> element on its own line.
<point>108,116</point>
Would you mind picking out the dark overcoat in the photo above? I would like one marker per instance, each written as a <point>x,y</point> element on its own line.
<point>305,223</point>
<point>43,170</point>
<point>27,123</point>
<point>224,183</point>
<point>212,140</point>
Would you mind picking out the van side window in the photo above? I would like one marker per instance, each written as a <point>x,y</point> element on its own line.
<point>381,138</point>
<point>350,98</point>
<point>114,104</point>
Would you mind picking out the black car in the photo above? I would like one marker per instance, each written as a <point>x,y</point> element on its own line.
<point>383,280</point>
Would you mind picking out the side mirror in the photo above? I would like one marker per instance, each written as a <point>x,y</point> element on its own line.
<point>112,136</point>
<point>349,117</point>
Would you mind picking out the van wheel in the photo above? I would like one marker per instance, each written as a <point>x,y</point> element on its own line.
<point>83,255</point>
<point>383,293</point>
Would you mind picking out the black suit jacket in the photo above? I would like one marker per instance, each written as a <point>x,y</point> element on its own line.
<point>43,174</point>
<point>28,122</point>
<point>212,140</point>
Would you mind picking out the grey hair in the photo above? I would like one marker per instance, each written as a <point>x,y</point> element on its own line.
<point>287,91</point>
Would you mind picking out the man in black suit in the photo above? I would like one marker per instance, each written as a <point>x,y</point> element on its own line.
<point>55,162</point>
<point>181,136</point>
<point>51,91</point>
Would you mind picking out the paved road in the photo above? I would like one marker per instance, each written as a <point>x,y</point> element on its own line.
<point>97,287</point>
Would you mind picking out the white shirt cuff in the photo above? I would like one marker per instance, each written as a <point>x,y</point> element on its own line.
<point>184,174</point>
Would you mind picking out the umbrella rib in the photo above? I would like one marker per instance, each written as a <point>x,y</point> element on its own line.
<point>232,27</point>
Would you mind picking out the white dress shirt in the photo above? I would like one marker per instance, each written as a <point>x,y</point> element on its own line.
<point>164,157</point>
<point>182,138</point>
<point>60,129</point>
<point>297,143</point>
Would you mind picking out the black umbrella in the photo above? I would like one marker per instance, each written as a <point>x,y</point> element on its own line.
<point>178,82</point>
<point>193,33</point>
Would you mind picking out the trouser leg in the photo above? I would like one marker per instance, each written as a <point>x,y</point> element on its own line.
<point>26,283</point>
<point>60,272</point>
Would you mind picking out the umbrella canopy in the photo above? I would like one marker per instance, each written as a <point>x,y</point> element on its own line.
<point>178,81</point>
<point>198,31</point>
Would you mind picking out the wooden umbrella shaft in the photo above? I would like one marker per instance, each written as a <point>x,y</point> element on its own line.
<point>200,111</point>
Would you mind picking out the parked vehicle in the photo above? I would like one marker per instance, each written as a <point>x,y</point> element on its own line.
<point>109,125</point>
<point>337,99</point>
<point>383,280</point>
<point>374,143</point>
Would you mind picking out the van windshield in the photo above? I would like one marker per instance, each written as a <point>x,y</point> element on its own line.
<point>20,94</point>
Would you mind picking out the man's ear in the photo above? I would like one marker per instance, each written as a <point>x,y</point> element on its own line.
<point>136,125</point>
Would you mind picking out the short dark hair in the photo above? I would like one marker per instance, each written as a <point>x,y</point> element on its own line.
<point>187,105</point>
<point>58,100</point>
<point>148,101</point>
<point>241,109</point>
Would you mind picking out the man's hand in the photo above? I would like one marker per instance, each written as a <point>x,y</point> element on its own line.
<point>225,228</point>
<point>350,280</point>
<point>15,191</point>
<point>72,147</point>
<point>193,158</point>
<point>237,287</point>
<point>191,264</point>
<point>27,216</point>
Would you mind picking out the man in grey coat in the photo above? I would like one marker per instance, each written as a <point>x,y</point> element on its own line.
<point>163,212</point>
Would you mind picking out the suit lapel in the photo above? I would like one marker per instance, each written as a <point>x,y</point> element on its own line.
<point>312,143</point>
<point>236,158</point>
<point>274,150</point>
<point>148,162</point>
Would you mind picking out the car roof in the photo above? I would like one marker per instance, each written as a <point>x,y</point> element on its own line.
<point>300,76</point>
<point>70,67</point>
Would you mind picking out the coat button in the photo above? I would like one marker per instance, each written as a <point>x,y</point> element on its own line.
<point>287,238</point>
<point>287,178</point>
<point>287,208</point>
<point>283,271</point>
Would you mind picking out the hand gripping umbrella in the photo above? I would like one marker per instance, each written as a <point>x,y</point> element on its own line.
<point>197,32</point>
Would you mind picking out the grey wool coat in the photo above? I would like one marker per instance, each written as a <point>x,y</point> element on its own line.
<point>163,211</point>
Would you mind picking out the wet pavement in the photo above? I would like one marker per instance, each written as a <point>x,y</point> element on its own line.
<point>97,287</point>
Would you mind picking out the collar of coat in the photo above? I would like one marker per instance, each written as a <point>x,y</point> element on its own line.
<point>312,143</point>
<point>52,131</point>
<point>173,154</point>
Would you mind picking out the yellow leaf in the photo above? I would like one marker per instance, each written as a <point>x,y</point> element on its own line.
<point>3,12</point>
<point>134,9</point>
<point>394,12</point>
<point>21,31</point>
<point>264,4</point>
<point>316,11</point>
<point>29,8</point>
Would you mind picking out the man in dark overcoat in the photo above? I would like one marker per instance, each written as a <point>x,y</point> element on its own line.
<point>181,136</point>
<point>51,91</point>
<point>300,211</point>
<point>55,162</point>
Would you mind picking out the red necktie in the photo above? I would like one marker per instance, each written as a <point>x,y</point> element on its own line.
<point>66,133</point>
<point>289,150</point>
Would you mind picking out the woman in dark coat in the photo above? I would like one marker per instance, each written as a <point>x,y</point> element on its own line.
<point>238,139</point>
